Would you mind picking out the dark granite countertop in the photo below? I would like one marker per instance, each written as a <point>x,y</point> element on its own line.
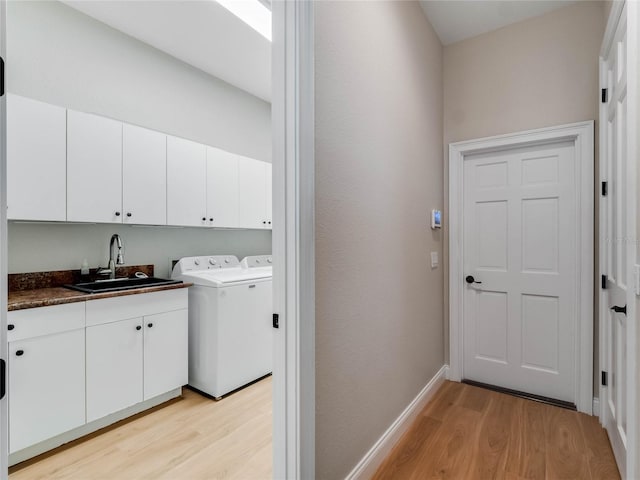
<point>42,289</point>
<point>43,297</point>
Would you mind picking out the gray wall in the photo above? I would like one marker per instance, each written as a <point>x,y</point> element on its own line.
<point>61,56</point>
<point>536,73</point>
<point>379,308</point>
<point>42,247</point>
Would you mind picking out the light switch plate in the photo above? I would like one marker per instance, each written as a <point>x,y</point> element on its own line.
<point>434,259</point>
<point>636,279</point>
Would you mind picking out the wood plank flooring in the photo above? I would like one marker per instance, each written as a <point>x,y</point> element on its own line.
<point>471,433</point>
<point>190,438</point>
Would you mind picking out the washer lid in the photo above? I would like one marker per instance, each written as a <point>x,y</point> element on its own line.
<point>227,277</point>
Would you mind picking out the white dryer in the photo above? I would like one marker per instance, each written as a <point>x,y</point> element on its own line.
<point>230,322</point>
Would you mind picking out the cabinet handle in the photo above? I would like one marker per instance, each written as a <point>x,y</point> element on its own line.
<point>149,325</point>
<point>138,327</point>
<point>10,326</point>
<point>204,219</point>
<point>264,222</point>
<point>117,214</point>
<point>128,214</point>
<point>19,353</point>
<point>211,219</point>
<point>269,223</point>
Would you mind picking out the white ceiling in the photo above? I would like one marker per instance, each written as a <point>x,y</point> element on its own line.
<point>201,33</point>
<point>455,20</point>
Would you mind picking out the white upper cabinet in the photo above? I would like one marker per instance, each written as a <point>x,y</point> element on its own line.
<point>186,182</point>
<point>36,160</point>
<point>94,168</point>
<point>222,188</point>
<point>144,179</point>
<point>65,165</point>
<point>269,194</point>
<point>253,208</point>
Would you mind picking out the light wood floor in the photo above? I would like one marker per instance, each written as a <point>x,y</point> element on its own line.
<point>470,433</point>
<point>190,438</point>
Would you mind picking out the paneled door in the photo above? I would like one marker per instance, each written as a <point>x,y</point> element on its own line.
<point>617,256</point>
<point>520,295</point>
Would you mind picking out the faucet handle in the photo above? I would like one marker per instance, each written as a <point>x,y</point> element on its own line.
<point>103,271</point>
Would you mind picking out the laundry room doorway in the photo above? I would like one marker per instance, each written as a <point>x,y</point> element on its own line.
<point>276,165</point>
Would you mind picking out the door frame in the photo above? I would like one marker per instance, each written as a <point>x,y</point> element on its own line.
<point>293,239</point>
<point>4,268</point>
<point>633,39</point>
<point>582,134</point>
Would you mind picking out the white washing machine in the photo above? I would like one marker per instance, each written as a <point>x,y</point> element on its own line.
<point>230,322</point>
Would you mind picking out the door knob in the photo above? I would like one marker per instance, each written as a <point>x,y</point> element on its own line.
<point>470,279</point>
<point>618,309</point>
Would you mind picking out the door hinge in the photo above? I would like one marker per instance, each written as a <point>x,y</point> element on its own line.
<point>3,378</point>
<point>603,280</point>
<point>603,95</point>
<point>603,378</point>
<point>605,189</point>
<point>1,77</point>
<point>276,320</point>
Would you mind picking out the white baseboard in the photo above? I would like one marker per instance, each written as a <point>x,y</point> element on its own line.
<point>596,407</point>
<point>366,468</point>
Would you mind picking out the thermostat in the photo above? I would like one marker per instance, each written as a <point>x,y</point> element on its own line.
<point>436,219</point>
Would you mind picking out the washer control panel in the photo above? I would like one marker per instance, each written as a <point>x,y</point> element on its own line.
<point>205,262</point>
<point>255,261</point>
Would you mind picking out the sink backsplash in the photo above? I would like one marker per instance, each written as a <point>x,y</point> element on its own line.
<point>33,280</point>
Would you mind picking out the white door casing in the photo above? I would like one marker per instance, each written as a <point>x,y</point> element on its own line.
<point>532,184</point>
<point>618,154</point>
<point>293,240</point>
<point>4,402</point>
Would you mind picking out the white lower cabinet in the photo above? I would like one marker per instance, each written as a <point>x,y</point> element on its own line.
<point>165,352</point>
<point>46,387</point>
<point>136,349</point>
<point>114,367</point>
<point>73,364</point>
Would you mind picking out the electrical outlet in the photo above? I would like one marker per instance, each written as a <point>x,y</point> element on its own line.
<point>434,259</point>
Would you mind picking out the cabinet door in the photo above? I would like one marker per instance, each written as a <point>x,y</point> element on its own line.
<point>94,168</point>
<point>144,179</point>
<point>165,352</point>
<point>46,387</point>
<point>269,194</point>
<point>186,183</point>
<point>252,193</point>
<point>36,160</point>
<point>114,367</point>
<point>222,188</point>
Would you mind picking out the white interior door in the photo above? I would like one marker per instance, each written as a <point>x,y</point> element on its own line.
<point>520,228</point>
<point>617,341</point>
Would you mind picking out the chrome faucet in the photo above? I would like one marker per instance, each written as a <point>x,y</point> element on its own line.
<point>111,266</point>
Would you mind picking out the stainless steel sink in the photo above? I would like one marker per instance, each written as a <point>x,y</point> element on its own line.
<point>118,284</point>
